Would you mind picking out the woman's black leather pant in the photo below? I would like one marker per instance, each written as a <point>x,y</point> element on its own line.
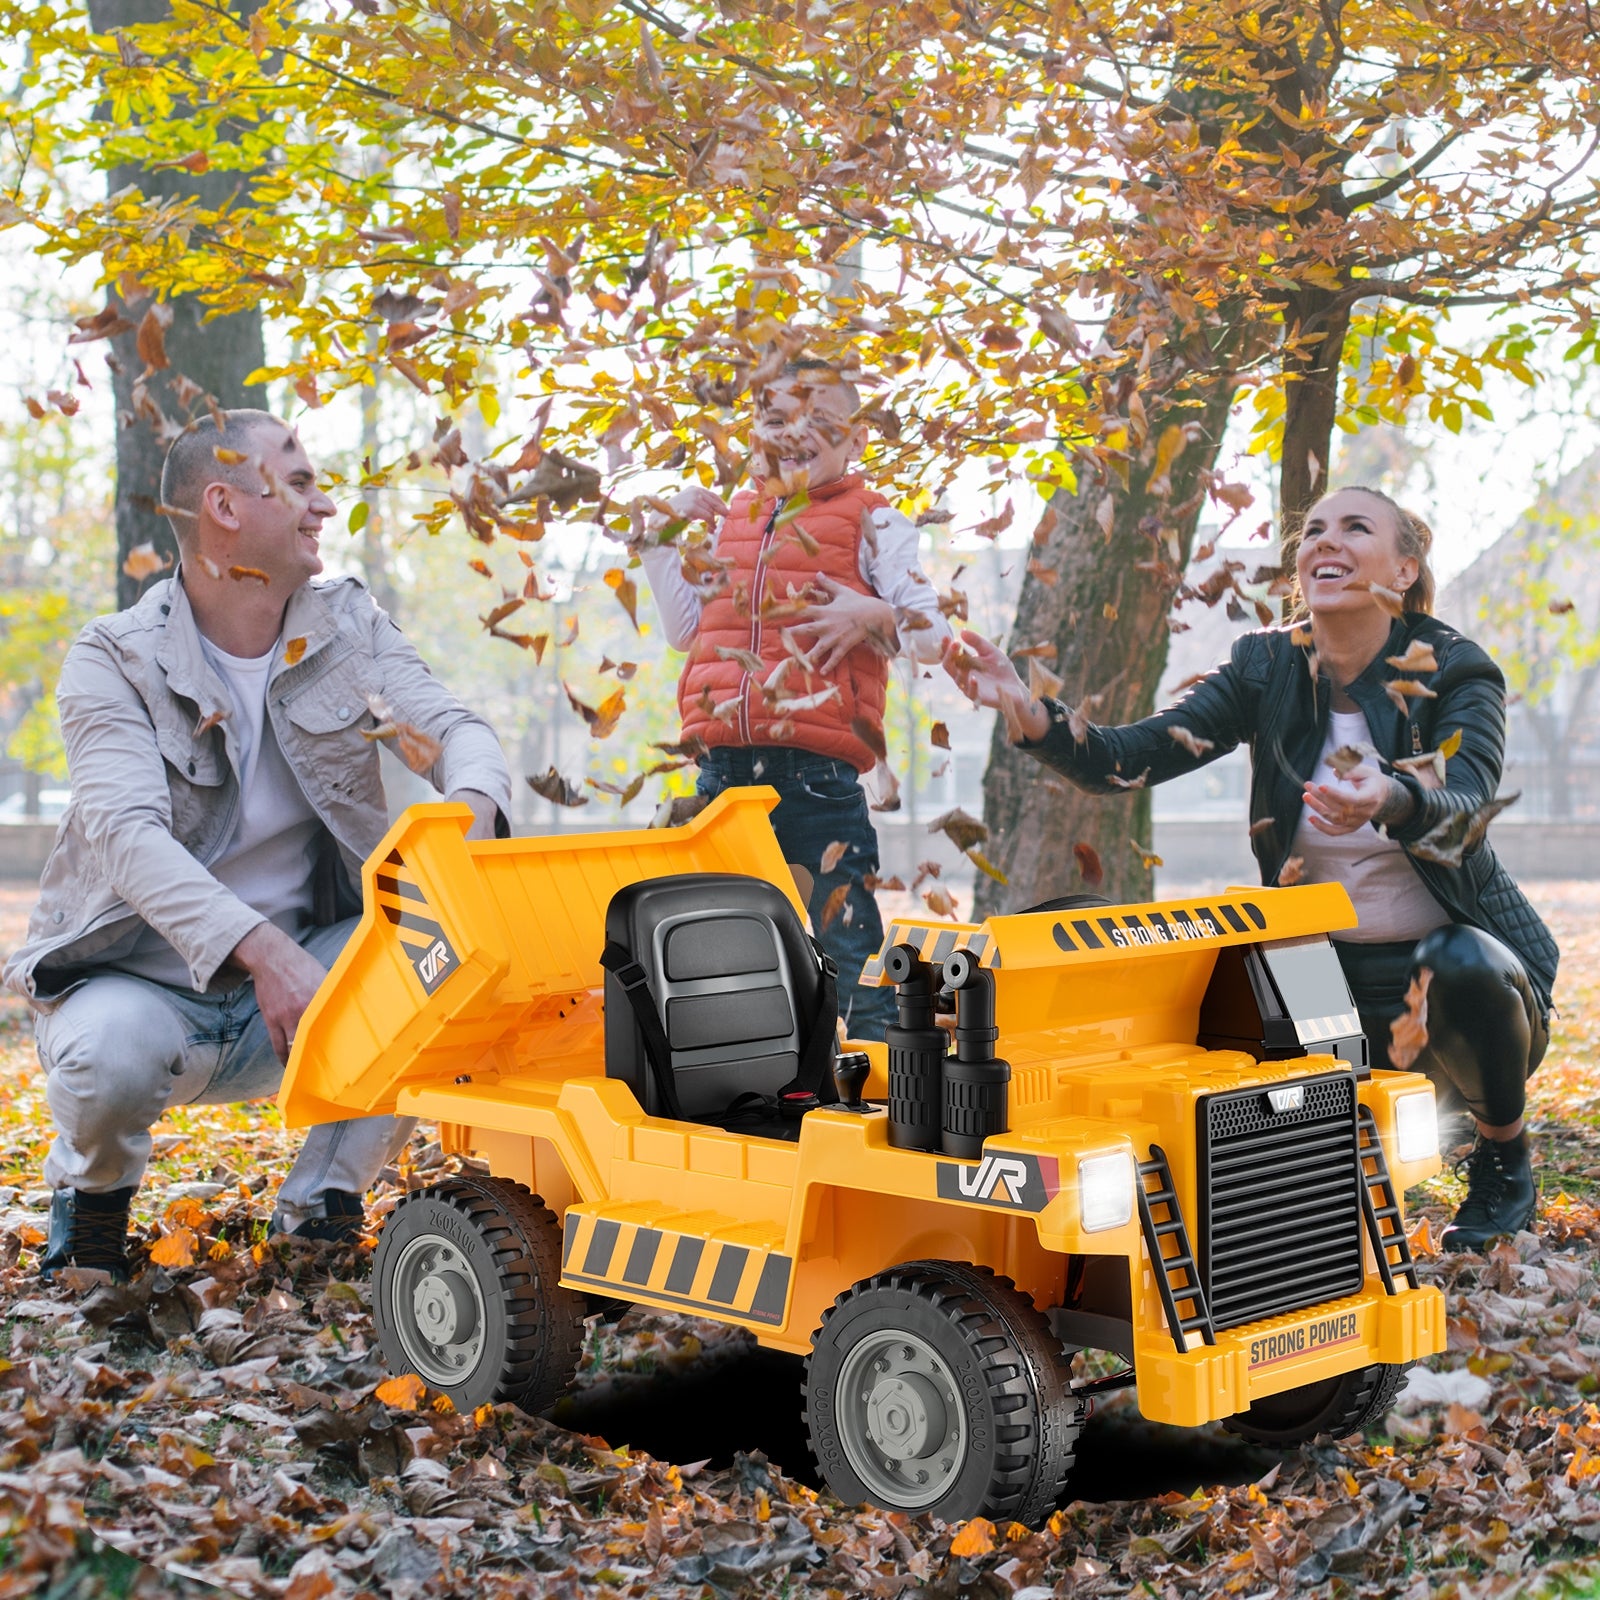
<point>1486,1029</point>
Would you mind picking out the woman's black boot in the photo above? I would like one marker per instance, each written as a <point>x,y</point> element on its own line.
<point>1501,1195</point>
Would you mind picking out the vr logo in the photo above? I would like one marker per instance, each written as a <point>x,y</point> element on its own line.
<point>998,1179</point>
<point>432,962</point>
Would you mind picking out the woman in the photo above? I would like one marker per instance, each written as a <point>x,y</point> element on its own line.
<point>1348,685</point>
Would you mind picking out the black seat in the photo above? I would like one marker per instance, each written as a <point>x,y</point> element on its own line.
<point>733,977</point>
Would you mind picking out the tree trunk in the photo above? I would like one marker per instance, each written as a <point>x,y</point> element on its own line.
<point>1315,324</point>
<point>218,355</point>
<point>1107,616</point>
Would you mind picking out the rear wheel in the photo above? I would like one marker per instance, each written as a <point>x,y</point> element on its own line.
<point>466,1294</point>
<point>1332,1409</point>
<point>937,1387</point>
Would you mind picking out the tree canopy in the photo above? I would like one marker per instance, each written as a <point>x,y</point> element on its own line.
<point>1056,239</point>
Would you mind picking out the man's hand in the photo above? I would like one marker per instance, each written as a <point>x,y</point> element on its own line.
<point>484,812</point>
<point>984,674</point>
<point>286,978</point>
<point>1365,795</point>
<point>842,621</point>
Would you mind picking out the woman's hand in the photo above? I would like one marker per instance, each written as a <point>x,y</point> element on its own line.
<point>842,621</point>
<point>984,674</point>
<point>1366,795</point>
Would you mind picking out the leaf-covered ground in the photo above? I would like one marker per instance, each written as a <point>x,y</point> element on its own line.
<point>223,1421</point>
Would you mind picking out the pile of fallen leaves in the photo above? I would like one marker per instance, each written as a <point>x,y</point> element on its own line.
<point>227,1418</point>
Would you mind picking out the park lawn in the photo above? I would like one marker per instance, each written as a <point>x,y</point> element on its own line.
<point>223,1419</point>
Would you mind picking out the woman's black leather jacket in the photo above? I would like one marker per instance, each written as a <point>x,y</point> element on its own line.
<point>1264,695</point>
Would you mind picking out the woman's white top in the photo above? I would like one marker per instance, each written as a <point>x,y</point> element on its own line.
<point>1390,898</point>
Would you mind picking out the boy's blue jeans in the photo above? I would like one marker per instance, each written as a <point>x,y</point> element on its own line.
<point>820,802</point>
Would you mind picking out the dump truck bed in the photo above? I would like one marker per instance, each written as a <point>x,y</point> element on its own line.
<point>488,951</point>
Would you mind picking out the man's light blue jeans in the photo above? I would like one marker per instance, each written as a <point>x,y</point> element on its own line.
<point>120,1050</point>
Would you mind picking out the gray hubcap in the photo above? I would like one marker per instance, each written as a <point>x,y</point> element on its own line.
<point>901,1421</point>
<point>438,1311</point>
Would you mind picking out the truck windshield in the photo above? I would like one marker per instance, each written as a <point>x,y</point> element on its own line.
<point>1308,977</point>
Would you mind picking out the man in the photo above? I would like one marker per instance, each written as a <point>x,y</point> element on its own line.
<point>224,795</point>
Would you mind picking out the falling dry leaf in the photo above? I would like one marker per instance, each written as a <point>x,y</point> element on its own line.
<point>626,591</point>
<point>1390,600</point>
<point>1191,742</point>
<point>151,341</point>
<point>872,883</point>
<point>1043,652</point>
<point>961,830</point>
<point>1291,872</point>
<point>1419,657</point>
<point>229,458</point>
<point>255,574</point>
<point>1042,682</point>
<point>1147,858</point>
<point>1089,865</point>
<point>834,906</point>
<point>747,659</point>
<point>986,866</point>
<point>212,719</point>
<point>939,901</point>
<point>1348,757</point>
<point>602,719</point>
<point>1300,637</point>
<point>939,736</point>
<point>143,562</point>
<point>1460,832</point>
<point>833,855</point>
<point>1403,690</point>
<point>293,649</point>
<point>559,791</point>
<point>1408,1033</point>
<point>1559,608</point>
<point>1260,826</point>
<point>1118,782</point>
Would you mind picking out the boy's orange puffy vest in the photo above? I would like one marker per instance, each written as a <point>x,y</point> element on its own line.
<point>770,565</point>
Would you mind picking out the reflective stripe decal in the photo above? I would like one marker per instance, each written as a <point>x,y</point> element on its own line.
<point>643,1262</point>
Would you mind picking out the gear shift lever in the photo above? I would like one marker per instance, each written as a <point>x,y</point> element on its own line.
<point>849,1076</point>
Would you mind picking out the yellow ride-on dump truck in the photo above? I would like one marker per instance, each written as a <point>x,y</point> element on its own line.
<point>1151,1130</point>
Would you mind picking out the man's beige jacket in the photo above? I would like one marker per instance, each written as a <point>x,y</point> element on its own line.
<point>155,783</point>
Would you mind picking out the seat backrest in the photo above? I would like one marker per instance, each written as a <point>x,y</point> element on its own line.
<point>735,980</point>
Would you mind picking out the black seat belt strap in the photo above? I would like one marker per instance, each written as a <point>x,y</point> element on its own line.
<point>816,1058</point>
<point>636,985</point>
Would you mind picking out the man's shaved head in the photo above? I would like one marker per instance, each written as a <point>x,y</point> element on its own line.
<point>192,462</point>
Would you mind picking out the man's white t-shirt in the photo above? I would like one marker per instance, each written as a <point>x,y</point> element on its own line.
<point>1390,898</point>
<point>269,857</point>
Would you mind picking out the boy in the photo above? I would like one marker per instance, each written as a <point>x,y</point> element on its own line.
<point>789,651</point>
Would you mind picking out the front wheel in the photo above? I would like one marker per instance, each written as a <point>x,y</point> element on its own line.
<point>937,1387</point>
<point>466,1294</point>
<point>1332,1409</point>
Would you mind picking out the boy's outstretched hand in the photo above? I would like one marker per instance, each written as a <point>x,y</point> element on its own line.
<point>984,674</point>
<point>695,504</point>
<point>842,621</point>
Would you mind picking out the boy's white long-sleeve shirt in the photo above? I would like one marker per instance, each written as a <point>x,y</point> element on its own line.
<point>892,571</point>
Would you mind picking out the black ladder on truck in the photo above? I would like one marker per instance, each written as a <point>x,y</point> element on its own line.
<point>1385,1230</point>
<point>1172,1271</point>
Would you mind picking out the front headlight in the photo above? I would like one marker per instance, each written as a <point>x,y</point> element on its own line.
<point>1105,1191</point>
<point>1416,1126</point>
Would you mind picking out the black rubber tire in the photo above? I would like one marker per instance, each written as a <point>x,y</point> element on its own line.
<point>1021,1413</point>
<point>533,1328</point>
<point>1332,1409</point>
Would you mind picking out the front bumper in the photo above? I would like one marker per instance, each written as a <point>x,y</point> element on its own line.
<point>1211,1382</point>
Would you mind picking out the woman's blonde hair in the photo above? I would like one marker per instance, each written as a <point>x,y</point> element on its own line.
<point>1415,539</point>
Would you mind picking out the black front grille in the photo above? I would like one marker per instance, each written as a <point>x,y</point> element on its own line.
<point>1280,1200</point>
